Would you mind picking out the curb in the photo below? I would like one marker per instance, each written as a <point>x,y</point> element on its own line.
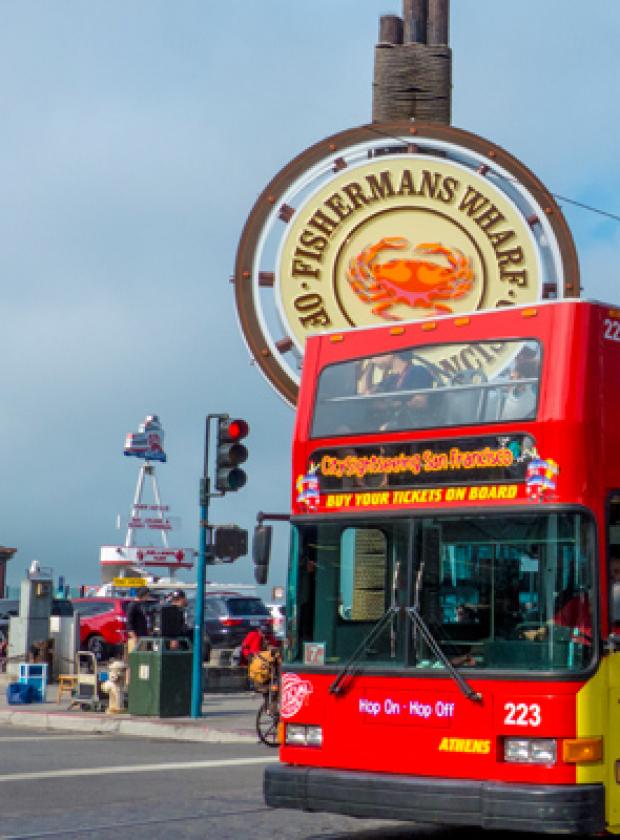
<point>140,728</point>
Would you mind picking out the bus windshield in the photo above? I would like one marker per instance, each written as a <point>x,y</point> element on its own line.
<point>512,592</point>
<point>437,386</point>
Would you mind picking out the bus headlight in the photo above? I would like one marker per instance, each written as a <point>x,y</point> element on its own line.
<point>314,736</point>
<point>303,736</point>
<point>530,750</point>
<point>296,735</point>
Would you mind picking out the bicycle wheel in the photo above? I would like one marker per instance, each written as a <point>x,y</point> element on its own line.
<point>267,719</point>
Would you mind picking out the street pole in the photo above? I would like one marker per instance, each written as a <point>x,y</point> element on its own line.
<point>200,584</point>
<point>413,64</point>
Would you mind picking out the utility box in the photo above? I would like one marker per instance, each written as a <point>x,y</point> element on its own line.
<point>64,631</point>
<point>160,678</point>
<point>32,624</point>
<point>36,594</point>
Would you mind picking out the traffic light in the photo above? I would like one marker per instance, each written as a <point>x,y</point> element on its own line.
<point>230,453</point>
<point>230,543</point>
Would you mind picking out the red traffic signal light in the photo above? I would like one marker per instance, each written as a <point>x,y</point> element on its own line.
<point>232,430</point>
<point>229,454</point>
<point>236,429</point>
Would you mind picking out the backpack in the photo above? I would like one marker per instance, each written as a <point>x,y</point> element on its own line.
<point>259,669</point>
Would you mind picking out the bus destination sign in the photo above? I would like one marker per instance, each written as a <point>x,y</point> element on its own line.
<point>423,473</point>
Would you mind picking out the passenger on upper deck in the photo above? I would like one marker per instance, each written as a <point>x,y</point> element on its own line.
<point>519,402</point>
<point>394,373</point>
<point>372,373</point>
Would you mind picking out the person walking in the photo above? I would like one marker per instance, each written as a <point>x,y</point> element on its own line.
<point>181,630</point>
<point>137,625</point>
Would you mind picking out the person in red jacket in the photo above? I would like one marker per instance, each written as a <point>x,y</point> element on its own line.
<point>253,643</point>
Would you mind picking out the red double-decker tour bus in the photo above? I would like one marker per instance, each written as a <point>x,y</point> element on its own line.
<point>455,539</point>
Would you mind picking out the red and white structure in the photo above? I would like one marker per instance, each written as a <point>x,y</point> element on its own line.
<point>138,557</point>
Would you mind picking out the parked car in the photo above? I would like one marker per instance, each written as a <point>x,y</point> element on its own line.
<point>103,625</point>
<point>229,617</point>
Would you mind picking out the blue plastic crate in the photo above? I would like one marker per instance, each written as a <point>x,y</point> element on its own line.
<point>18,693</point>
<point>39,689</point>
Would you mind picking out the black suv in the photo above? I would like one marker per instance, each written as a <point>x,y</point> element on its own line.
<point>229,617</point>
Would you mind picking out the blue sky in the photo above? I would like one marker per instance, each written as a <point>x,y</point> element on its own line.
<point>136,137</point>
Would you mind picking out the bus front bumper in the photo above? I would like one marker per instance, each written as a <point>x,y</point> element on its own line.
<point>577,809</point>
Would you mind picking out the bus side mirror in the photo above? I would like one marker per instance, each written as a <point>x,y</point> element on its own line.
<point>261,551</point>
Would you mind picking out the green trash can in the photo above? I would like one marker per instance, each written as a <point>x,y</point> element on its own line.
<point>160,678</point>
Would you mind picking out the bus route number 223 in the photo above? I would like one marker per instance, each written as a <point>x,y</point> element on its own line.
<point>612,329</point>
<point>522,714</point>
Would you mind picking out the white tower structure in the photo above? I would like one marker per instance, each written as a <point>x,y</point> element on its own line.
<point>136,560</point>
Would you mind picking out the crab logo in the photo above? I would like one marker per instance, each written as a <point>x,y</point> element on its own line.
<point>415,283</point>
<point>295,693</point>
<point>308,491</point>
<point>541,477</point>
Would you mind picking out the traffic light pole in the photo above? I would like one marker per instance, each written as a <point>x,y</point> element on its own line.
<point>201,579</point>
<point>230,454</point>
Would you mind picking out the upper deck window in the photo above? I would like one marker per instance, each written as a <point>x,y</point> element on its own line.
<point>436,386</point>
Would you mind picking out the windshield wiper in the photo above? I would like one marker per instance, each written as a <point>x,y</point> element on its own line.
<point>431,641</point>
<point>337,686</point>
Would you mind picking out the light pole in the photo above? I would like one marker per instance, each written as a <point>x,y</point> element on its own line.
<point>229,477</point>
<point>196,710</point>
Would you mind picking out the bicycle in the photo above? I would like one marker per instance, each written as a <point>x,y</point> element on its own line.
<point>264,674</point>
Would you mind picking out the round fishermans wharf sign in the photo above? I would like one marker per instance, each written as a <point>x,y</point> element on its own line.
<point>393,222</point>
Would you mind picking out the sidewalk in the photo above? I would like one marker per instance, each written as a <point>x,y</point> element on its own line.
<point>227,718</point>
